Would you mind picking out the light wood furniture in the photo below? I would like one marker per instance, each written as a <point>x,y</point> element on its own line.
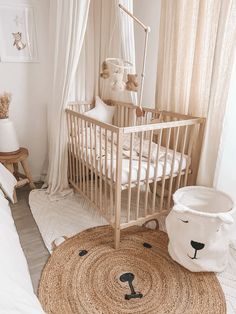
<point>96,160</point>
<point>11,162</point>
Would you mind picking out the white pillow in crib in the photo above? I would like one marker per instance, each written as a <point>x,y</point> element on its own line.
<point>102,112</point>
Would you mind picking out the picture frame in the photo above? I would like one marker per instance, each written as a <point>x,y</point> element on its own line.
<point>18,38</point>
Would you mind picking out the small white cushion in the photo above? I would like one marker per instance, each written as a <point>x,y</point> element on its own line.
<point>101,112</point>
<point>7,182</point>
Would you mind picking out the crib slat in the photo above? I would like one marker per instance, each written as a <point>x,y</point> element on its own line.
<point>148,171</point>
<point>139,174</point>
<point>190,147</point>
<point>111,173</point>
<point>126,116</point>
<point>118,116</point>
<point>159,139</point>
<point>95,164</point>
<point>69,146</point>
<point>118,188</point>
<point>100,170</point>
<point>76,151</point>
<point>172,167</point>
<point>164,168</point>
<point>91,161</point>
<point>130,175</point>
<point>106,153</point>
<point>182,154</point>
<point>122,116</point>
<point>86,160</point>
<point>72,147</point>
<point>79,132</point>
<point>82,153</point>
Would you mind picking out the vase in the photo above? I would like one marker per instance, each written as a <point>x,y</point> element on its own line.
<point>8,138</point>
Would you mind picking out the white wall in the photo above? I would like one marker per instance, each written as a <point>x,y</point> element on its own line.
<point>225,177</point>
<point>28,84</point>
<point>149,13</point>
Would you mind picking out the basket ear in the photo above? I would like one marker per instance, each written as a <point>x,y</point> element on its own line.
<point>226,218</point>
<point>180,208</point>
<point>55,243</point>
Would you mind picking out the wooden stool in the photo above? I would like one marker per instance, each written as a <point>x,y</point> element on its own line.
<point>10,161</point>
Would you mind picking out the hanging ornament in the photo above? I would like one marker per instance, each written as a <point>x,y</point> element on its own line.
<point>105,74</point>
<point>132,83</point>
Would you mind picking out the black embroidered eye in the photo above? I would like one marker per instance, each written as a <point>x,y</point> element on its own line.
<point>83,252</point>
<point>185,221</point>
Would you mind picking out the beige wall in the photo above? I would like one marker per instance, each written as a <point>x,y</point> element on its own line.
<point>28,84</point>
<point>149,12</point>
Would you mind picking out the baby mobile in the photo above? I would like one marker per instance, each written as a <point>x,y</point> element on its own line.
<point>115,69</point>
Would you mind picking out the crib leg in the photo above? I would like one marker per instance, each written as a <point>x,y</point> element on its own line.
<point>117,238</point>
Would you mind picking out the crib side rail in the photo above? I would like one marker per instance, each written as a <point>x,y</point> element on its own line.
<point>164,125</point>
<point>164,162</point>
<point>94,155</point>
<point>81,106</point>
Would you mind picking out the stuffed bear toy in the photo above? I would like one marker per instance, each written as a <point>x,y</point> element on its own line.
<point>105,71</point>
<point>132,83</point>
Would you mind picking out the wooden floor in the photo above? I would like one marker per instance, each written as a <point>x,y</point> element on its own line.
<point>30,238</point>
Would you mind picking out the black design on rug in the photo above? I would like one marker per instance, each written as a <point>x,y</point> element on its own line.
<point>129,277</point>
<point>83,252</point>
<point>147,245</point>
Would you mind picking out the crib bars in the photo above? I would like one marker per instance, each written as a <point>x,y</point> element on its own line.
<point>96,157</point>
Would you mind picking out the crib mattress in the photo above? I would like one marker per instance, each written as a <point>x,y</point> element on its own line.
<point>144,169</point>
<point>109,167</point>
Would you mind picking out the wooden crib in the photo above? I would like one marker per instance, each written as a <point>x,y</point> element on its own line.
<point>129,170</point>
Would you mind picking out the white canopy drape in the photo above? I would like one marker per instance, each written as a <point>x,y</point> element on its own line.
<point>109,33</point>
<point>128,42</point>
<point>68,24</point>
<point>82,37</point>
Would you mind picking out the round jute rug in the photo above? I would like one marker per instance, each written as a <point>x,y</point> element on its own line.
<point>85,274</point>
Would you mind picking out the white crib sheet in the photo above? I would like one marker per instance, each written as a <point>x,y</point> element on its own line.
<point>111,167</point>
<point>144,169</point>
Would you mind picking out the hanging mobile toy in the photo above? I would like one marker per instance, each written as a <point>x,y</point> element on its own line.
<point>105,70</point>
<point>120,66</point>
<point>139,110</point>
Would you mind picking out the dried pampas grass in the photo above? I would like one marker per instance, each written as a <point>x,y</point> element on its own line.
<point>5,99</point>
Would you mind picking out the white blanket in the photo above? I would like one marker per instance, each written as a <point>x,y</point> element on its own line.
<point>16,291</point>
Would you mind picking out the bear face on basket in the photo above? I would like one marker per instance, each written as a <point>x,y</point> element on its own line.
<point>199,240</point>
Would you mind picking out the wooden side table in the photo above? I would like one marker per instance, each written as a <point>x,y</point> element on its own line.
<point>11,162</point>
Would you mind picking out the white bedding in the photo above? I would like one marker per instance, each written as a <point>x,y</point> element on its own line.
<point>94,157</point>
<point>16,291</point>
<point>144,169</point>
<point>111,166</point>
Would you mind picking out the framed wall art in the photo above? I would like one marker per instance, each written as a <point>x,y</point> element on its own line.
<point>18,40</point>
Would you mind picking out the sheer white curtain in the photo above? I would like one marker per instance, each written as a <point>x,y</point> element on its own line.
<point>85,84</point>
<point>127,42</point>
<point>196,45</point>
<point>68,23</point>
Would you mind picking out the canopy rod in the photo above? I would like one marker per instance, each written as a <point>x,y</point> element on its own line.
<point>147,29</point>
